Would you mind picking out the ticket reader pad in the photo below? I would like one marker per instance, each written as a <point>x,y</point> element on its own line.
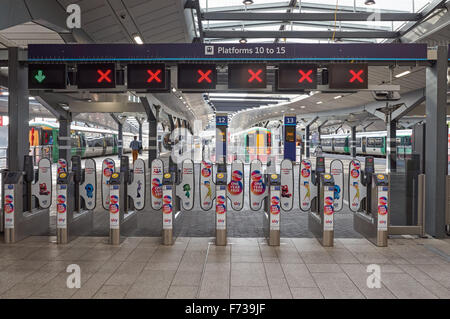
<point>168,207</point>
<point>26,200</point>
<point>273,209</point>
<point>321,223</point>
<point>75,199</point>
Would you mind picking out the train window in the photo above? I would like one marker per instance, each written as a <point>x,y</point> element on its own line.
<point>109,141</point>
<point>358,142</point>
<point>75,141</point>
<point>375,142</point>
<point>340,142</point>
<point>326,142</point>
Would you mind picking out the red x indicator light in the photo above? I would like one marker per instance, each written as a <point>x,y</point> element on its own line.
<point>348,76</point>
<point>247,76</point>
<point>104,76</point>
<point>296,77</point>
<point>204,76</point>
<point>356,76</point>
<point>96,75</point>
<point>153,76</point>
<point>197,76</point>
<point>254,75</point>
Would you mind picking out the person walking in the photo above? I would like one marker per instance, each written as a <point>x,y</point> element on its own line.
<point>135,146</point>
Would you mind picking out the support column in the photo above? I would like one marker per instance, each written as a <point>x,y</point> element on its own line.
<point>120,140</point>
<point>153,121</point>
<point>18,111</point>
<point>64,139</point>
<point>391,144</point>
<point>307,141</point>
<point>173,167</point>
<point>353,142</point>
<point>436,137</point>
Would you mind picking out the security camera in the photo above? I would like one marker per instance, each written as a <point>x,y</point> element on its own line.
<point>386,95</point>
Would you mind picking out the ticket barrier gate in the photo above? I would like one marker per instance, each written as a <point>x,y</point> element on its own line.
<point>26,200</point>
<point>123,194</point>
<point>76,195</point>
<point>221,191</point>
<point>321,196</point>
<point>369,195</point>
<point>170,195</point>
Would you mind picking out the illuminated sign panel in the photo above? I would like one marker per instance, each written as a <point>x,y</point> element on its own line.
<point>197,76</point>
<point>96,76</point>
<point>151,77</point>
<point>348,76</point>
<point>47,76</point>
<point>247,76</point>
<point>297,76</point>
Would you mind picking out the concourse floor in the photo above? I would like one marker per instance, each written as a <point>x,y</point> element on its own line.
<point>246,268</point>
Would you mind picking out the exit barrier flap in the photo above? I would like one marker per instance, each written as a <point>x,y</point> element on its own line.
<point>136,189</point>
<point>88,189</point>
<point>207,187</point>
<point>108,168</point>
<point>156,176</point>
<point>287,185</point>
<point>337,170</point>
<point>185,190</point>
<point>258,190</point>
<point>42,188</point>
<point>305,185</point>
<point>236,185</point>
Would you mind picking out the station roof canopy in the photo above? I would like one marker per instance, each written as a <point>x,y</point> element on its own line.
<point>24,22</point>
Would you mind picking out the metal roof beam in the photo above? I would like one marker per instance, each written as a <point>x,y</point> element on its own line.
<point>302,34</point>
<point>311,16</point>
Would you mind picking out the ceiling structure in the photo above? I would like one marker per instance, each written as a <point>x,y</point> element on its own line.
<point>216,21</point>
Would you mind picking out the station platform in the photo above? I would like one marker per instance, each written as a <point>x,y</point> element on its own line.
<point>141,267</point>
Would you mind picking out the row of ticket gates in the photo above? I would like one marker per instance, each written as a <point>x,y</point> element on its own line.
<point>27,197</point>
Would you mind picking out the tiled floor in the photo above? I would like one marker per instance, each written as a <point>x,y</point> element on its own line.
<point>247,268</point>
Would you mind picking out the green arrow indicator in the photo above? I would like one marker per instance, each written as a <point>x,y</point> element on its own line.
<point>40,76</point>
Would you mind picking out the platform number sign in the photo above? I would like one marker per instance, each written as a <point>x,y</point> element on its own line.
<point>96,76</point>
<point>47,76</point>
<point>348,76</point>
<point>221,120</point>
<point>151,77</point>
<point>296,76</point>
<point>247,76</point>
<point>197,76</point>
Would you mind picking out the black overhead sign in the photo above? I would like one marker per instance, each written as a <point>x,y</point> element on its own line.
<point>96,76</point>
<point>197,76</point>
<point>348,76</point>
<point>296,76</point>
<point>47,76</point>
<point>247,76</point>
<point>151,77</point>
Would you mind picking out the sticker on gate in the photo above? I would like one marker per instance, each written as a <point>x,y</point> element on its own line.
<point>185,190</point>
<point>305,185</point>
<point>236,185</point>
<point>257,185</point>
<point>88,189</point>
<point>287,185</point>
<point>108,168</point>
<point>354,185</point>
<point>156,187</point>
<point>207,186</point>
<point>382,208</point>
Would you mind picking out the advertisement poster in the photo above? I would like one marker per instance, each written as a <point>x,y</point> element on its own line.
<point>305,185</point>
<point>207,187</point>
<point>136,190</point>
<point>42,188</point>
<point>167,207</point>
<point>275,208</point>
<point>355,186</point>
<point>114,207</point>
<point>9,205</point>
<point>287,185</point>
<point>328,208</point>
<point>337,170</point>
<point>88,189</point>
<point>221,208</point>
<point>156,177</point>
<point>257,186</point>
<point>236,185</point>
<point>185,190</point>
<point>108,168</point>
<point>383,209</point>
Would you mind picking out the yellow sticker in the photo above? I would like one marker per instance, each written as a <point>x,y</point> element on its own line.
<point>274,176</point>
<point>167,175</point>
<point>380,176</point>
<point>327,176</point>
<point>62,175</point>
<point>115,175</point>
<point>220,175</point>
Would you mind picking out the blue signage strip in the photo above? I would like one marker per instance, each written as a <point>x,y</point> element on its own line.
<point>228,52</point>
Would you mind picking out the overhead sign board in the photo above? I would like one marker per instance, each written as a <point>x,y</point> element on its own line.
<point>296,76</point>
<point>348,76</point>
<point>229,52</point>
<point>47,76</point>
<point>197,76</point>
<point>247,76</point>
<point>151,77</point>
<point>96,76</point>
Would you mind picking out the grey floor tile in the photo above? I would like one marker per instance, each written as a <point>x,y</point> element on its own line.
<point>248,275</point>
<point>306,293</point>
<point>404,286</point>
<point>298,276</point>
<point>337,286</point>
<point>428,282</point>
<point>280,292</point>
<point>250,293</point>
<point>182,292</point>
<point>112,292</point>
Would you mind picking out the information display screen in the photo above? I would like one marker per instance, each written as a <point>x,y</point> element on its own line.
<point>296,76</point>
<point>47,76</point>
<point>96,76</point>
<point>151,77</point>
<point>289,133</point>
<point>247,76</point>
<point>348,76</point>
<point>197,76</point>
